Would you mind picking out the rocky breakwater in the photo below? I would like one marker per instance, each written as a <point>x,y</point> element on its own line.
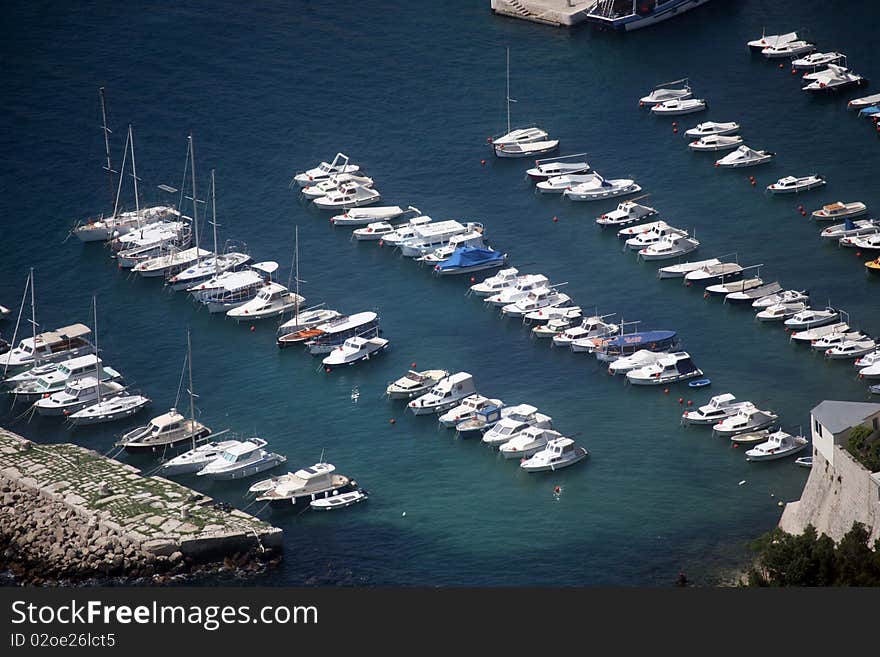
<point>69,515</point>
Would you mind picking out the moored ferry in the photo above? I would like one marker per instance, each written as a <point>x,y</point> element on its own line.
<point>628,15</point>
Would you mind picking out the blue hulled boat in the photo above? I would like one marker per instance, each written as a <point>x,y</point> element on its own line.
<point>469,259</point>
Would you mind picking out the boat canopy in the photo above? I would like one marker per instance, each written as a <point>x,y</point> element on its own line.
<point>64,333</point>
<point>642,337</point>
<point>469,256</point>
<point>870,111</point>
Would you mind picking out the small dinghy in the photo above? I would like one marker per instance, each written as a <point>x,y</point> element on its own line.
<point>354,350</point>
<point>626,213</point>
<point>675,90</point>
<point>558,184</point>
<point>780,311</point>
<point>684,268</point>
<point>771,40</point>
<point>675,107</point>
<point>700,383</point>
<point>749,418</point>
<point>790,49</point>
<point>601,188</point>
<point>671,368</point>
<point>748,296</point>
<point>804,461</point>
<point>412,384</point>
<point>504,279</point>
<point>551,167</point>
<point>850,228</point>
<point>339,501</point>
<point>744,156</point>
<point>863,102</point>
<point>810,318</point>
<point>786,296</point>
<point>779,445</point>
<point>723,289</point>
<point>558,453</point>
<point>366,216</point>
<point>670,246</point>
<point>750,437</point>
<point>816,59</point>
<point>794,184</point>
<point>710,128</point>
<point>718,408</point>
<point>716,143</point>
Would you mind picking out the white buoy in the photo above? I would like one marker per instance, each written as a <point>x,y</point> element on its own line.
<point>741,483</point>
<point>403,514</point>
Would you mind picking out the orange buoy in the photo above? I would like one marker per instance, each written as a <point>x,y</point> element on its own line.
<point>483,163</point>
<point>754,183</point>
<point>473,280</point>
<point>781,66</point>
<point>327,370</point>
<point>413,364</point>
<point>858,254</point>
<point>690,403</point>
<point>555,219</point>
<point>675,130</point>
<point>392,421</point>
<point>253,328</point>
<point>665,391</point>
<point>681,400</point>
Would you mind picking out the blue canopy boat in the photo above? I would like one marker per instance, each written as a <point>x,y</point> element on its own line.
<point>468,259</point>
<point>629,343</point>
<point>870,111</point>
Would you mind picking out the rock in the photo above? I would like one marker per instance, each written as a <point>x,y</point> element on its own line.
<point>175,558</point>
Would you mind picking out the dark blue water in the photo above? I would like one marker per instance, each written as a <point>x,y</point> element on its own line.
<point>410,91</point>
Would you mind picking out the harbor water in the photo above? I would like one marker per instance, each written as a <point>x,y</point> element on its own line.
<point>411,91</point>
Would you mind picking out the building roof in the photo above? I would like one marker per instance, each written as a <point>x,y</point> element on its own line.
<point>838,416</point>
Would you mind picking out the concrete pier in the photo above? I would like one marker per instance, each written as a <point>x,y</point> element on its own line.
<point>560,13</point>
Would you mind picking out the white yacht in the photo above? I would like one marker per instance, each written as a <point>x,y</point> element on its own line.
<point>404,232</point>
<point>554,327</point>
<point>348,195</point>
<point>384,213</point>
<point>467,409</point>
<point>816,59</point>
<point>670,246</point>
<point>788,49</point>
<point>537,299</point>
<point>240,461</point>
<point>718,408</point>
<point>546,315</point>
<point>378,230</point>
<point>302,321</point>
<point>785,296</point>
<point>716,143</point>
<point>59,376</point>
<point>49,347</point>
<point>517,419</point>
<point>432,236</point>
<point>324,170</point>
<point>600,189</point>
<point>810,318</point>
<point>626,213</point>
<point>170,263</point>
<point>164,432</point>
<point>676,106</point>
<point>749,418</point>
<point>524,286</point>
<point>474,239</point>
<point>771,40</point>
<point>505,278</point>
<point>779,445</point>
<point>558,453</point>
<point>650,236</point>
<point>324,338</point>
<point>76,394</point>
<point>156,240</point>
<point>103,229</point>
<point>852,349</point>
<point>810,335</point>
<point>671,368</point>
<point>684,268</point>
<point>301,488</point>
<point>558,184</point>
<point>207,268</point>
<point>590,327</point>
<point>195,459</point>
<point>833,79</point>
<point>333,184</point>
<point>110,409</point>
<point>868,242</point>
<point>867,360</point>
<point>744,156</point>
<point>632,231</point>
<point>272,300</point>
<point>717,271</point>
<point>526,149</point>
<point>675,90</point>
<point>528,442</point>
<point>748,296</point>
<point>710,128</point>
<point>871,371</point>
<point>793,184</point>
<point>448,392</point>
<point>723,289</point>
<point>850,228</point>
<point>231,289</point>
<point>355,350</point>
<point>641,358</point>
<point>778,312</point>
<point>865,101</point>
<point>412,384</point>
<point>557,166</point>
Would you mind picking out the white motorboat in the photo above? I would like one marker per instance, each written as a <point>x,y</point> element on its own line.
<point>810,318</point>
<point>195,459</point>
<point>49,347</point>
<point>170,263</point>
<point>748,296</point>
<point>779,445</point>
<point>836,338</point>
<point>558,184</point>
<point>355,350</point>
<point>339,501</point>
<point>559,166</point>
<point>348,195</point>
<point>505,278</point>
<point>272,300</point>
<point>816,59</point>
<point>153,241</point>
<point>528,149</point>
<point>365,216</point>
<point>524,286</point>
<point>868,359</point>
<point>412,384</point>
<point>675,90</point>
<point>207,268</point>
<point>404,233</point>
<point>517,419</point>
<point>149,234</point>
<point>76,394</point>
<point>240,461</point>
<point>448,392</point>
<point>851,228</point>
<point>324,338</point>
<point>670,246</point>
<point>851,349</point>
<point>558,453</point>
<point>429,237</point>
<point>632,231</point>
<point>835,78</point>
<point>164,432</point>
<point>718,408</point>
<point>744,156</point>
<point>717,271</point>
<point>600,188</point>
<point>679,106</point>
<point>304,320</point>
<point>626,213</point>
<point>546,297</point>
<point>110,409</point>
<point>58,377</point>
<point>785,296</point>
<point>716,143</point>
<point>546,315</point>
<point>553,328</point>
<point>780,311</point>
<point>710,128</point>
<point>804,461</point>
<point>232,289</point>
<point>788,49</point>
<point>771,40</point>
<point>333,184</point>
<point>808,336</point>
<point>865,101</point>
<point>671,368</point>
<point>520,136</point>
<point>750,437</point>
<point>467,409</point>
<point>871,371</point>
<point>105,228</point>
<point>324,170</point>
<point>641,358</point>
<point>301,488</point>
<point>378,230</point>
<point>749,418</point>
<point>528,442</point>
<point>481,421</point>
<point>590,327</point>
<point>868,242</point>
<point>794,184</point>
<point>474,239</point>
<point>723,289</point>
<point>651,236</point>
<point>684,268</point>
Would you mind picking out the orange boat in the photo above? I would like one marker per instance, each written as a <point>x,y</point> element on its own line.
<point>873,266</point>
<point>298,336</point>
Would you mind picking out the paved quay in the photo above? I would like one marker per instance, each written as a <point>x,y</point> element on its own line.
<point>561,13</point>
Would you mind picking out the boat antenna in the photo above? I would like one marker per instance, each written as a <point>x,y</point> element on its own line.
<point>18,321</point>
<point>108,167</point>
<point>137,206</point>
<point>321,460</point>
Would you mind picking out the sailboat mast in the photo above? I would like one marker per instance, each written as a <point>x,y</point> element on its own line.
<point>34,319</point>
<point>508,90</point>
<point>192,158</point>
<point>134,175</point>
<point>214,222</point>
<point>97,357</point>
<point>296,254</point>
<point>192,407</point>
<point>107,131</point>
<point>121,173</point>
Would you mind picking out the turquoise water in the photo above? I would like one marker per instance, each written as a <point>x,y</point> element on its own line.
<point>411,91</point>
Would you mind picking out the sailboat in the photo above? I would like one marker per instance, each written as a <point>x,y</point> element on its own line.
<point>111,402</point>
<point>170,429</point>
<point>528,141</point>
<point>215,264</point>
<point>119,223</point>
